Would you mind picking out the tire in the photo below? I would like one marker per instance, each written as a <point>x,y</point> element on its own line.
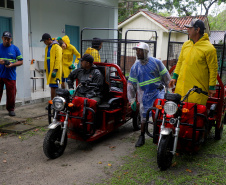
<point>218,132</point>
<point>164,156</point>
<point>51,144</point>
<point>136,121</point>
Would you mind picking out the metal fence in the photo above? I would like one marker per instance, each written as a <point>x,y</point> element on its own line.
<point>174,49</point>
<point>118,51</point>
<point>221,58</point>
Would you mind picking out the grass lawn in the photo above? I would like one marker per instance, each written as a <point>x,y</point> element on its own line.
<point>206,167</point>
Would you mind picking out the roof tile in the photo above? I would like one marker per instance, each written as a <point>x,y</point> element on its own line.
<point>174,23</point>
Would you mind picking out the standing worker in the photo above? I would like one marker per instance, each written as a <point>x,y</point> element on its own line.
<point>146,75</point>
<point>52,62</point>
<point>67,58</point>
<point>197,65</point>
<point>10,58</point>
<point>94,51</point>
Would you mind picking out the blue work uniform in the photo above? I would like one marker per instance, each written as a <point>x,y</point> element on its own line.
<point>146,78</point>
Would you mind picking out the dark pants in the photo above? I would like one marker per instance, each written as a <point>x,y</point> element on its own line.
<point>94,98</point>
<point>10,93</point>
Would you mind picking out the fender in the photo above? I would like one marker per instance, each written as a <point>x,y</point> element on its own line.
<point>54,125</point>
<point>166,131</point>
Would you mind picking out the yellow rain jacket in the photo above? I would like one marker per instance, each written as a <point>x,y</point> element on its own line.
<point>68,56</point>
<point>94,53</point>
<point>196,66</point>
<point>55,63</point>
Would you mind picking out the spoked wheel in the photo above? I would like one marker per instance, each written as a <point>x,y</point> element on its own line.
<point>51,144</point>
<point>164,156</point>
<point>136,120</point>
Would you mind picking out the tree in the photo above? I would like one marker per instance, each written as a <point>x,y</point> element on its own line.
<point>127,9</point>
<point>187,7</point>
<point>218,22</point>
<point>183,7</point>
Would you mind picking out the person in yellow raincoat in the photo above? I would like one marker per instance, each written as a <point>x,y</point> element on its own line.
<point>67,58</point>
<point>197,65</point>
<point>94,51</point>
<point>52,62</point>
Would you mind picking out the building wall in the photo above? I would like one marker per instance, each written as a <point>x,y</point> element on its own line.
<point>142,22</point>
<point>51,17</point>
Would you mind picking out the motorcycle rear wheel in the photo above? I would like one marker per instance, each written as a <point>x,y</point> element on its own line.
<point>51,144</point>
<point>164,156</point>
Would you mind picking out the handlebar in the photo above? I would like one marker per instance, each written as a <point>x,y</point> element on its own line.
<point>195,89</point>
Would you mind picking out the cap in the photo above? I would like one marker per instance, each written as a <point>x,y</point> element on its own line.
<point>142,45</point>
<point>87,58</point>
<point>196,23</point>
<point>7,34</point>
<point>45,36</point>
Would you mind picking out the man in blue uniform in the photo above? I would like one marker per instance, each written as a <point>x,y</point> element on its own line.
<point>146,74</point>
<point>10,58</point>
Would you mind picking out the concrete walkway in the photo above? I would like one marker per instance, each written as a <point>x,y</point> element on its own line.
<point>25,113</point>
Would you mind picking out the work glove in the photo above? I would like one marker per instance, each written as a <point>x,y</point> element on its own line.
<point>72,66</point>
<point>53,74</point>
<point>71,91</point>
<point>134,106</point>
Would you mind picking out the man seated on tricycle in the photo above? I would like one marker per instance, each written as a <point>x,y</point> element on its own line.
<point>89,78</point>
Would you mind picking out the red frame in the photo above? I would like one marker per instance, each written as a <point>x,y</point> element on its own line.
<point>109,122</point>
<point>219,99</point>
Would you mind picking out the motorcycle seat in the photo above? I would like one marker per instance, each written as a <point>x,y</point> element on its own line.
<point>113,103</point>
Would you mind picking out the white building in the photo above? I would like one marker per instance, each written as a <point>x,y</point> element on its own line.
<point>27,20</point>
<point>146,20</point>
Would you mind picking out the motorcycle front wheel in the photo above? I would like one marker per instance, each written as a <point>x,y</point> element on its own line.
<point>164,155</point>
<point>51,144</point>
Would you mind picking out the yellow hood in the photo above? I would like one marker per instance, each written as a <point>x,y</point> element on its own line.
<point>66,39</point>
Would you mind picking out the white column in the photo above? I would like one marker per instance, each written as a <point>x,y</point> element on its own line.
<point>20,39</point>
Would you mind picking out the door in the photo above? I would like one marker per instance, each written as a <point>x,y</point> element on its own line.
<point>5,25</point>
<point>73,33</point>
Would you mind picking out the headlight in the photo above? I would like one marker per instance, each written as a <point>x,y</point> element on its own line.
<point>170,107</point>
<point>58,103</point>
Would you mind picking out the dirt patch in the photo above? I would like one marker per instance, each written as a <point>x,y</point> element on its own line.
<point>22,160</point>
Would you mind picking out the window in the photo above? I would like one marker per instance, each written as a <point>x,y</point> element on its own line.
<point>2,3</point>
<point>7,4</point>
<point>10,4</point>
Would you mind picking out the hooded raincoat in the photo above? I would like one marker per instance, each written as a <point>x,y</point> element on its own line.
<point>196,66</point>
<point>67,57</point>
<point>144,80</point>
<point>94,53</point>
<point>55,62</point>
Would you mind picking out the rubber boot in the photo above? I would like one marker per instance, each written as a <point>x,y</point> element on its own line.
<point>140,141</point>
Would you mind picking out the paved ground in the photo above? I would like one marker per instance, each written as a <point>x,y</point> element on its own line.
<point>23,162</point>
<point>21,122</point>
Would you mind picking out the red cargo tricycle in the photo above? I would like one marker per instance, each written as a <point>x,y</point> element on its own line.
<point>182,126</point>
<point>82,119</point>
